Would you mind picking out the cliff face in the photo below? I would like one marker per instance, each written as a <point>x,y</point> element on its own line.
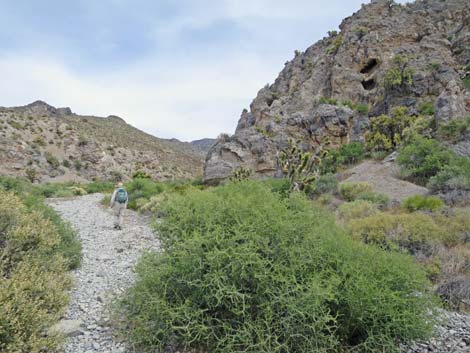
<point>385,55</point>
<point>46,143</point>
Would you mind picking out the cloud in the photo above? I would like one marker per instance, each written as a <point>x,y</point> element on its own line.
<point>182,69</point>
<point>192,102</point>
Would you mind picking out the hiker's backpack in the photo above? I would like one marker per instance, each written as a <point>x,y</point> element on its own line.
<point>121,195</point>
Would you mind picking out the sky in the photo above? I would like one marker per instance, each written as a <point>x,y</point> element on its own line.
<point>174,68</point>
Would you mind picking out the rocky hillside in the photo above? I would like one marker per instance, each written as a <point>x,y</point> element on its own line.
<point>46,143</point>
<point>203,145</point>
<point>386,55</point>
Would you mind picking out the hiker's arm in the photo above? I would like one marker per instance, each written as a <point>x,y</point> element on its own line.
<point>112,198</point>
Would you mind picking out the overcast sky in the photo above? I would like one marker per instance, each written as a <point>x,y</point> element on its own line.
<point>173,68</point>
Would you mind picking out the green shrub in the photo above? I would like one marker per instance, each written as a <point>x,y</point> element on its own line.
<point>415,233</point>
<point>454,176</point>
<point>466,82</point>
<point>346,155</point>
<point>99,186</point>
<point>350,191</point>
<point>352,153</point>
<point>325,184</point>
<point>141,175</point>
<point>387,132</point>
<point>32,196</point>
<point>244,269</point>
<point>422,159</point>
<point>455,129</point>
<point>142,188</point>
<point>356,209</point>
<point>280,186</point>
<point>39,140</point>
<point>324,100</point>
<point>362,108</point>
<point>381,200</point>
<point>77,164</point>
<point>66,163</point>
<point>34,285</point>
<point>422,203</point>
<point>52,160</point>
<point>456,225</point>
<point>399,76</point>
<point>427,108</point>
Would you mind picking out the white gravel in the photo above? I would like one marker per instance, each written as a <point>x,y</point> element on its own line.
<point>107,266</point>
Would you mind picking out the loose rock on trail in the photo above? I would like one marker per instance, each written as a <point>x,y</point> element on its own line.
<point>109,257</point>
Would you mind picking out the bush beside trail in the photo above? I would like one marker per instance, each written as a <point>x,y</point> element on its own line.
<point>34,261</point>
<point>248,269</point>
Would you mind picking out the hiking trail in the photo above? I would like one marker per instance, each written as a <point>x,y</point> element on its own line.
<point>109,257</point>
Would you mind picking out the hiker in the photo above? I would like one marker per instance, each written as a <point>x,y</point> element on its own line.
<point>119,204</point>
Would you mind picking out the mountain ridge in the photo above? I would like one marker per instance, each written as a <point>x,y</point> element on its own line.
<point>46,143</point>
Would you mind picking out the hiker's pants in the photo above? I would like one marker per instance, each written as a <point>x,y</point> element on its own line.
<point>119,209</point>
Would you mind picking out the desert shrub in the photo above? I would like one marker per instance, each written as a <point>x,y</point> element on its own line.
<point>52,160</point>
<point>348,103</point>
<point>422,159</point>
<point>335,44</point>
<point>427,108</point>
<point>39,140</point>
<point>77,164</point>
<point>142,189</point>
<point>280,186</point>
<point>362,108</point>
<point>387,132</point>
<point>31,174</point>
<point>381,200</point>
<point>356,209</point>
<point>454,176</point>
<point>399,77</point>
<point>16,125</point>
<point>454,130</point>
<point>66,163</point>
<point>325,100</point>
<point>422,203</point>
<point>466,82</point>
<point>141,175</point>
<point>325,184</point>
<point>34,281</point>
<point>244,269</point>
<point>415,233</point>
<point>350,191</point>
<point>82,141</point>
<point>32,196</point>
<point>352,153</point>
<point>78,191</point>
<point>346,155</point>
<point>114,176</point>
<point>456,224</point>
<point>98,186</point>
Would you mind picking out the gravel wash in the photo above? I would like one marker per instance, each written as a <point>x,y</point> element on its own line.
<point>109,257</point>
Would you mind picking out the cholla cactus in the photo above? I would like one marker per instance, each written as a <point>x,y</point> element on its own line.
<point>301,168</point>
<point>241,174</point>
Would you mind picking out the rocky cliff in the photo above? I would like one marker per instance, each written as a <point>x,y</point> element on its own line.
<point>46,143</point>
<point>385,55</point>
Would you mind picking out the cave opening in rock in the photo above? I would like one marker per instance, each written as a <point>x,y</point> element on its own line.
<point>371,64</point>
<point>368,84</point>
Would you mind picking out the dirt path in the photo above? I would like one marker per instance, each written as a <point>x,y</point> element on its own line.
<point>109,257</point>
